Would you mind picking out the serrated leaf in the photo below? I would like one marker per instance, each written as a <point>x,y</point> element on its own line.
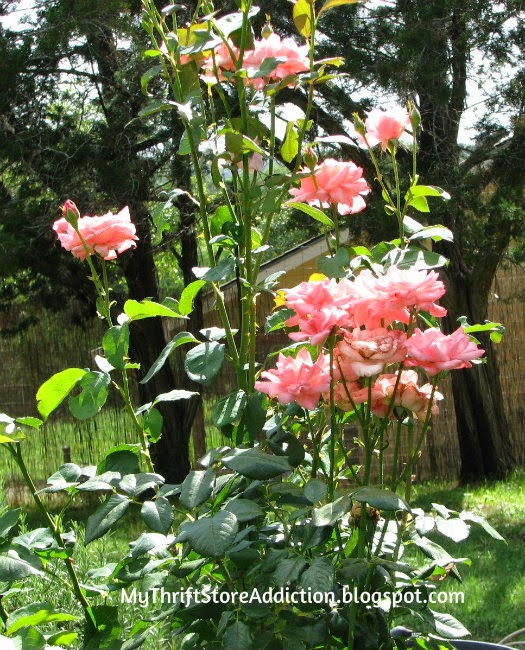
<point>328,514</point>
<point>244,509</point>
<point>311,211</point>
<point>53,391</point>
<point>289,570</point>
<point>115,343</point>
<point>334,266</point>
<point>229,409</point>
<point>197,488</point>
<point>34,423</point>
<point>212,536</point>
<point>136,310</point>
<point>290,145</point>
<point>224,270</point>
<point>319,576</point>
<point>481,521</point>
<point>302,17</point>
<point>419,203</point>
<point>315,490</point>
<point>456,529</point>
<point>436,233</point>
<point>204,361</point>
<point>158,514</point>
<point>188,296</point>
<point>35,614</point>
<point>175,395</point>
<point>237,637</point>
<point>382,499</point>
<point>94,390</point>
<point>8,520</point>
<point>12,568</point>
<point>256,464</point>
<point>180,339</point>
<point>106,516</point>
<point>446,625</point>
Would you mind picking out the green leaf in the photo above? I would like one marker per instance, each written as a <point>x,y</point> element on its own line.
<point>277,320</point>
<point>158,514</point>
<point>427,190</point>
<point>94,393</point>
<point>106,516</point>
<point>229,409</point>
<point>237,637</point>
<point>319,576</point>
<point>212,536</point>
<point>62,638</point>
<point>152,423</point>
<point>153,72</point>
<point>135,484</point>
<point>256,464</point>
<point>204,361</point>
<point>34,423</point>
<point>445,624</point>
<point>35,614</point>
<point>122,459</point>
<point>12,568</point>
<point>244,509</point>
<point>311,211</point>
<point>289,570</point>
<point>302,17</point>
<point>382,499</point>
<point>8,520</point>
<point>481,521</point>
<point>116,344</point>
<point>224,270</point>
<point>29,638</point>
<point>175,395</point>
<point>66,476</point>
<point>188,296</point>
<point>436,233</point>
<point>290,145</point>
<point>330,4</point>
<point>456,529</point>
<point>328,514</point>
<point>334,266</point>
<point>315,490</point>
<point>156,106</point>
<point>180,339</point>
<point>147,309</point>
<point>53,391</point>
<point>197,488</point>
<point>419,203</point>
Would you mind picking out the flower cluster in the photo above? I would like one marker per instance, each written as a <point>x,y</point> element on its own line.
<point>290,60</point>
<point>372,321</point>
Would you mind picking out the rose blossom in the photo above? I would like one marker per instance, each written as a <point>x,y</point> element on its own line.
<point>107,235</point>
<point>293,58</point>
<point>434,351</point>
<point>317,310</point>
<point>383,126</point>
<point>382,300</point>
<point>333,182</point>
<point>409,394</point>
<point>298,379</point>
<point>348,394</point>
<point>367,351</point>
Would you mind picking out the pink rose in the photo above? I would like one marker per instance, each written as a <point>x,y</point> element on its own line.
<point>107,236</point>
<point>293,59</point>
<point>348,394</point>
<point>333,182</point>
<point>434,351</point>
<point>409,394</point>
<point>390,297</point>
<point>384,126</point>
<point>298,379</point>
<point>366,352</point>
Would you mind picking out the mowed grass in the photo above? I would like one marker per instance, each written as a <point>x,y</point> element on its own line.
<point>494,584</point>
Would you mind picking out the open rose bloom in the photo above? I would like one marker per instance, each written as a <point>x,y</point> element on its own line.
<point>380,358</point>
<point>107,236</point>
<point>333,182</point>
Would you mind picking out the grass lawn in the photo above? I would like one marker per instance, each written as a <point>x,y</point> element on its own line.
<point>493,586</point>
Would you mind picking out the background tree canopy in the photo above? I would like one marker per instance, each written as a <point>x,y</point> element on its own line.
<point>70,124</point>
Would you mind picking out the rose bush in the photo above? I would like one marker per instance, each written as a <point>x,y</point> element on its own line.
<point>269,534</point>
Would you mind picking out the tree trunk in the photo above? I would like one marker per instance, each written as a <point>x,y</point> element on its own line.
<point>483,433</point>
